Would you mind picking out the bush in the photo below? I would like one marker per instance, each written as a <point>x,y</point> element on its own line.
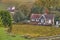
<point>6,18</point>
<point>1,24</point>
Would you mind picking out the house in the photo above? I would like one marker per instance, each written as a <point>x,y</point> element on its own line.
<point>42,19</point>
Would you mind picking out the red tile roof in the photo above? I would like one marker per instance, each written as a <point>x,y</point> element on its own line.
<point>35,16</point>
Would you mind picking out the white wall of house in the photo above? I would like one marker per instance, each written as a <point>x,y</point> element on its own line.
<point>49,21</point>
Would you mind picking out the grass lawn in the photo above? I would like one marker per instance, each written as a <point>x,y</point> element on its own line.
<point>5,36</point>
<point>35,30</point>
<point>32,30</point>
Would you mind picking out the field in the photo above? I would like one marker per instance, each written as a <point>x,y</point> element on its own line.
<point>5,36</point>
<point>35,30</point>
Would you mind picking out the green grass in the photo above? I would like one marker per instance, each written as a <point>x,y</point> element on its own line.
<point>35,30</point>
<point>5,36</point>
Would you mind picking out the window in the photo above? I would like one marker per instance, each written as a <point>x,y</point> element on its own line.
<point>32,19</point>
<point>37,20</point>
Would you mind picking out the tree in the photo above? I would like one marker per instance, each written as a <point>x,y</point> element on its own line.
<point>6,19</point>
<point>25,10</point>
<point>18,17</point>
<point>1,24</point>
<point>48,3</point>
<point>36,9</point>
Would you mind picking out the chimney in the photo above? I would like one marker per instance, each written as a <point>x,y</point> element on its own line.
<point>46,11</point>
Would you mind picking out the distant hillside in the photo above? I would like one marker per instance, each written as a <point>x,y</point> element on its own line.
<point>9,2</point>
<point>29,3</point>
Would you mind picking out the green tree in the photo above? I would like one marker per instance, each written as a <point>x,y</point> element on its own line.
<point>1,24</point>
<point>23,11</point>
<point>18,17</point>
<point>6,19</point>
<point>36,9</point>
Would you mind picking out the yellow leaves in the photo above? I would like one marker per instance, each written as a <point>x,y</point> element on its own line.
<point>35,30</point>
<point>48,3</point>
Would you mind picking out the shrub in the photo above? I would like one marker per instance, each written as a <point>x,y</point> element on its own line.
<point>1,24</point>
<point>6,19</point>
